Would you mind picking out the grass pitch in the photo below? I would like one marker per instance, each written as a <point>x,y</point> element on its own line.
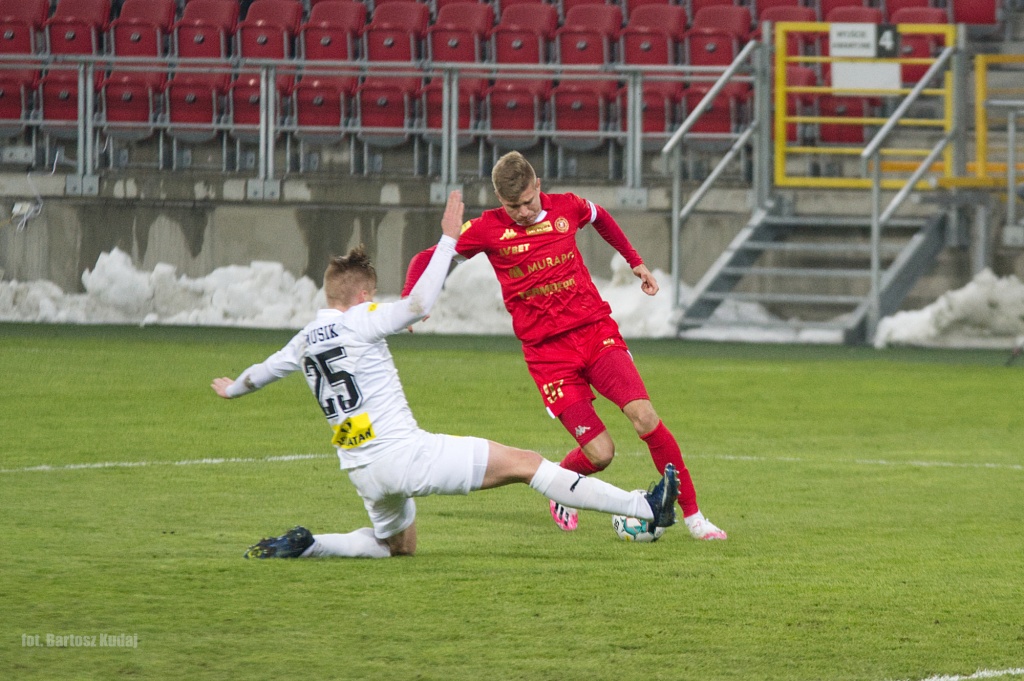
<point>873,502</point>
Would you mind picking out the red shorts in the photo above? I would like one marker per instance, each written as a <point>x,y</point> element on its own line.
<point>564,367</point>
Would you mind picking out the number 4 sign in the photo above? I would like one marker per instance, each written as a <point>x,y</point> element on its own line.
<point>887,46</point>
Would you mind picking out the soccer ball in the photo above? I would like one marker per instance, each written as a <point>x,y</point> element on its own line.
<point>634,529</point>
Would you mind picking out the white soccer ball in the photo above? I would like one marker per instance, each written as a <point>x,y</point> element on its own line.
<point>634,529</point>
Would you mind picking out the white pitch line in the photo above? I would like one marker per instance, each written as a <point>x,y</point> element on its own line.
<point>46,468</point>
<point>867,462</point>
<point>980,674</point>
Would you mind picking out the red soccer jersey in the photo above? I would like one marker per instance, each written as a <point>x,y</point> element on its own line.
<point>545,285</point>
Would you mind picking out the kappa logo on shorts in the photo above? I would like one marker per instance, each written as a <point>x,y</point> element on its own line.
<point>581,431</point>
<point>609,341</point>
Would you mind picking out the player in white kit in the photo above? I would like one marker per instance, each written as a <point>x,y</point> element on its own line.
<point>348,366</point>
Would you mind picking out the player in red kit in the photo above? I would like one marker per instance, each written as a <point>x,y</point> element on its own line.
<point>570,342</point>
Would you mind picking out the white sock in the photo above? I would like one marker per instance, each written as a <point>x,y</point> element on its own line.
<point>690,520</point>
<point>359,544</point>
<point>578,491</point>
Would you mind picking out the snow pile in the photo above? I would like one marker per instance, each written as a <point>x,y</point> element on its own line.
<point>262,295</point>
<point>984,313</point>
<point>989,311</point>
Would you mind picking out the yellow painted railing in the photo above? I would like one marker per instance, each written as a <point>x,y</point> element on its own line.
<point>988,169</point>
<point>785,150</point>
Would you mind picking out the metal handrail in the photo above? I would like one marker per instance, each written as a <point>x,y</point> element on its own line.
<point>872,147</point>
<point>705,103</point>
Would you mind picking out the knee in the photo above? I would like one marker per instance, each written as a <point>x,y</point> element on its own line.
<point>642,415</point>
<point>600,451</point>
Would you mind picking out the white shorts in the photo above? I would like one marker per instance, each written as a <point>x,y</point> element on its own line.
<point>431,464</point>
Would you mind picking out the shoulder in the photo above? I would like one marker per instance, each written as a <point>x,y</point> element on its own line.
<point>479,230</point>
<point>567,202</point>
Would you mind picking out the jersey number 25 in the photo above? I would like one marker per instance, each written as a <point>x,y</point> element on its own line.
<point>334,389</point>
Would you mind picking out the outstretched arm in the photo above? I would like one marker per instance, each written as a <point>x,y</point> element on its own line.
<point>276,366</point>
<point>416,305</point>
<point>610,231</point>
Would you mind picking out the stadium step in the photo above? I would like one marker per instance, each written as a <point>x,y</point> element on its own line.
<point>813,272</point>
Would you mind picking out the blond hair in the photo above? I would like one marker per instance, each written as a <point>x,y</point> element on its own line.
<point>347,275</point>
<point>512,175</point>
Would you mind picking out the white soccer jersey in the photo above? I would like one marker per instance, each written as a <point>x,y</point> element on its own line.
<point>348,366</point>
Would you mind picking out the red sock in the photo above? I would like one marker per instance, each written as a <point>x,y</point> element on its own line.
<point>577,462</point>
<point>665,450</point>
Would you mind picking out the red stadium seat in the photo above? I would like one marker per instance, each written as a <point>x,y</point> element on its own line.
<point>461,32</point>
<point>826,7</point>
<point>975,11</point>
<point>796,43</point>
<point>15,101</point>
<point>763,6</point>
<point>658,110</point>
<point>269,29</point>
<point>77,26</point>
<point>654,35</point>
<point>581,106</point>
<point>799,103</point>
<point>194,105</point>
<point>855,14</point>
<point>130,103</point>
<point>919,45</point>
<point>58,103</point>
<point>470,108</point>
<point>696,6</point>
<point>143,28</point>
<point>893,6</point>
<point>568,5</point>
<point>717,35</point>
<point>630,6</point>
<point>396,31</point>
<point>21,25</point>
<point>320,105</point>
<point>244,106</point>
<point>516,112</point>
<point>206,29</point>
<point>385,109</point>
<point>589,34</point>
<point>333,30</point>
<point>524,34</point>
<point>505,4</point>
<point>842,107</point>
<point>725,115</point>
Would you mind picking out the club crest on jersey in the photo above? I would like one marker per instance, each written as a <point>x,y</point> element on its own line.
<point>509,233</point>
<point>540,228</point>
<point>562,225</point>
